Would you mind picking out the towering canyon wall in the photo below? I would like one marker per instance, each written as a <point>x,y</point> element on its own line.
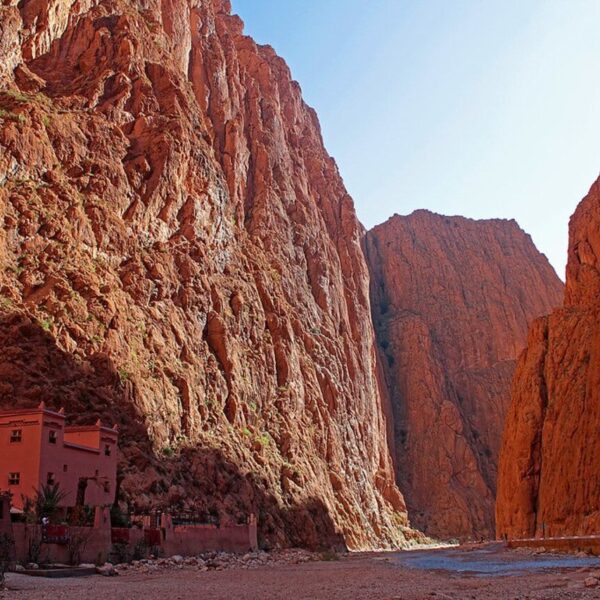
<point>179,255</point>
<point>549,471</point>
<point>452,299</point>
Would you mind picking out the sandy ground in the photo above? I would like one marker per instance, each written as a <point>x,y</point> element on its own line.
<point>489,572</point>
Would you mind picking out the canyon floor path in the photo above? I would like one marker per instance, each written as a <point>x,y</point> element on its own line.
<point>487,571</point>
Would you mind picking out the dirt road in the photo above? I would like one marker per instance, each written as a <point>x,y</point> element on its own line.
<point>489,572</point>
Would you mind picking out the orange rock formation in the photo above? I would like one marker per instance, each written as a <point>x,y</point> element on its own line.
<point>179,254</point>
<point>549,471</point>
<point>452,299</point>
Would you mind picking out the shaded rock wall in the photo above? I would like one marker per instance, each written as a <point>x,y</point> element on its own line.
<point>452,299</point>
<point>179,254</point>
<point>549,471</point>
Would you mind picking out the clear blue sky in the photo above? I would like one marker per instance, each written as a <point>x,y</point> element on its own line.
<point>484,108</point>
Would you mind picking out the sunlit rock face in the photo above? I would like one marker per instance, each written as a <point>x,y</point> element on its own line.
<point>549,473</point>
<point>452,299</point>
<point>179,255</point>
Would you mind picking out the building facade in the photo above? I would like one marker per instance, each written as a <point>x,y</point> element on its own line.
<point>37,448</point>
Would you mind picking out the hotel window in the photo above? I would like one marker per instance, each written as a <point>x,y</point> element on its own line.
<point>14,478</point>
<point>52,437</point>
<point>50,479</point>
<point>16,436</point>
<point>107,450</point>
<point>107,487</point>
<point>65,468</point>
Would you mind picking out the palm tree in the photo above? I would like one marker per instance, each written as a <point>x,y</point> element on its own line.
<point>45,502</point>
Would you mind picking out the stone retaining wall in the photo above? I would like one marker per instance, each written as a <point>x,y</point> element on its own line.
<point>99,543</point>
<point>589,544</point>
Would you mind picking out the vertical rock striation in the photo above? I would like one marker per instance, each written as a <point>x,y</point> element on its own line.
<point>179,254</point>
<point>451,300</point>
<point>549,471</point>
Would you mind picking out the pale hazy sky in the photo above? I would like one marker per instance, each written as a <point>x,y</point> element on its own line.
<point>483,108</point>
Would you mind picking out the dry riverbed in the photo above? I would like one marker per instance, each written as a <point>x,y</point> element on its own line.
<point>489,571</point>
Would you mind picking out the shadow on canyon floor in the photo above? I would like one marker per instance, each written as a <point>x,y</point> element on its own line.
<point>34,369</point>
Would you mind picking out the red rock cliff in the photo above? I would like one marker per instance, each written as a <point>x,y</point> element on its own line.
<point>452,299</point>
<point>549,471</point>
<point>179,254</point>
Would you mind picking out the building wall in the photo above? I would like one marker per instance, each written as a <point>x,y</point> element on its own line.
<point>97,546</point>
<point>193,539</point>
<point>77,452</point>
<point>83,436</point>
<point>80,461</point>
<point>21,457</point>
<point>90,544</point>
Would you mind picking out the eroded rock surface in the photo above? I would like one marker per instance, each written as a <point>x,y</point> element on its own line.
<point>549,472</point>
<point>179,255</point>
<point>452,299</point>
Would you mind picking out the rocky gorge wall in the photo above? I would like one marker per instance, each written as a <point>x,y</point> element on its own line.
<point>179,255</point>
<point>549,471</point>
<point>452,299</point>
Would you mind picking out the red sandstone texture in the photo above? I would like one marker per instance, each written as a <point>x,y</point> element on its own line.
<point>452,299</point>
<point>180,256</point>
<point>549,471</point>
